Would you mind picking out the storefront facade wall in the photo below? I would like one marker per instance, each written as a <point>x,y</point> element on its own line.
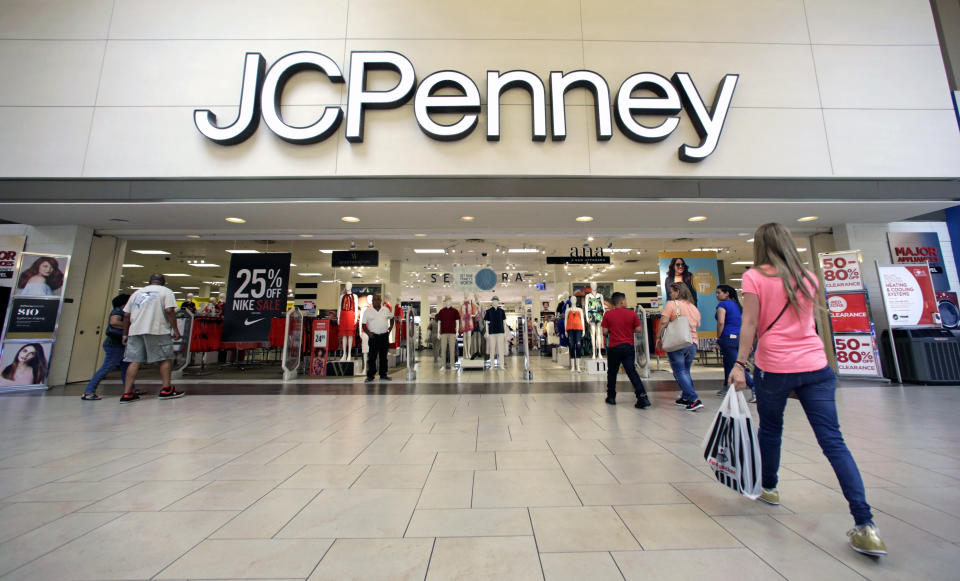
<point>96,88</point>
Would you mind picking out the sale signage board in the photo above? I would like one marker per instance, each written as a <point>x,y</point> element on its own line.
<point>856,355</point>
<point>256,293</point>
<point>841,271</point>
<point>909,297</point>
<point>920,248</point>
<point>33,318</point>
<point>848,313</point>
<point>319,351</point>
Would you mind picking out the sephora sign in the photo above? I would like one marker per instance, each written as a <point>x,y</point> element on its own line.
<point>262,91</point>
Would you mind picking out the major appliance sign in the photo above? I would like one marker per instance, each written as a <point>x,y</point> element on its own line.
<point>262,90</point>
<point>920,248</point>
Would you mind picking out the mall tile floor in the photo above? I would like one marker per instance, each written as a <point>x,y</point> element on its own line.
<point>458,487</point>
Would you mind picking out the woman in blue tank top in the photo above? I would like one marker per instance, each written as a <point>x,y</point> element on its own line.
<point>729,316</point>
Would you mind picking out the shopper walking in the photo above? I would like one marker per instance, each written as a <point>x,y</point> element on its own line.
<point>681,360</point>
<point>149,317</point>
<point>377,322</point>
<point>619,324</point>
<point>729,315</point>
<point>112,348</point>
<point>779,298</point>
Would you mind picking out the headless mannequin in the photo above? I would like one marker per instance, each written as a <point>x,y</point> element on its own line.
<point>364,338</point>
<point>574,313</point>
<point>561,319</point>
<point>448,341</point>
<point>347,321</point>
<point>388,302</point>
<point>496,342</point>
<point>594,317</point>
<point>478,329</point>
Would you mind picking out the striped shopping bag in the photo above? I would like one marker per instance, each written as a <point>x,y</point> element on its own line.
<point>731,448</point>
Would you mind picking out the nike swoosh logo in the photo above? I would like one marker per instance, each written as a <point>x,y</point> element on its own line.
<point>249,322</point>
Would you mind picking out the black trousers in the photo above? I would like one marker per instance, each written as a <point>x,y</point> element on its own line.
<point>623,355</point>
<point>377,354</point>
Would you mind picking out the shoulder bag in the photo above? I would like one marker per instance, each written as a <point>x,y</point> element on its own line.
<point>676,335</point>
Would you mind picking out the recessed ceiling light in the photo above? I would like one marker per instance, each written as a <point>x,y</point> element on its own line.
<point>808,218</point>
<point>175,274</point>
<point>310,273</point>
<point>193,236</point>
<point>706,249</point>
<point>203,264</point>
<point>801,249</point>
<point>736,279</point>
<point>420,235</point>
<point>743,262</point>
<point>743,234</point>
<point>429,251</point>
<point>750,240</point>
<point>584,218</point>
<point>350,219</point>
<point>696,218</point>
<point>190,288</point>
<point>150,251</point>
<point>241,251</point>
<point>467,218</point>
<point>590,238</point>
<point>305,235</point>
<point>235,220</point>
<point>325,251</point>
<point>131,265</point>
<point>523,250</point>
<point>292,264</point>
<point>616,250</point>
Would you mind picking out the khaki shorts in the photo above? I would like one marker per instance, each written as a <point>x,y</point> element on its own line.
<point>148,348</point>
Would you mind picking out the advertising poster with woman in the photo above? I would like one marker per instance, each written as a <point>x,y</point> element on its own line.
<point>41,276</point>
<point>24,364</point>
<point>697,270</point>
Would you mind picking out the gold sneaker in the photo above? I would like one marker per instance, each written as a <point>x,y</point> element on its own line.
<point>770,496</point>
<point>866,539</point>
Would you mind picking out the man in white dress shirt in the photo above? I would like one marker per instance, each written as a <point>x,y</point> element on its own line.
<point>377,322</point>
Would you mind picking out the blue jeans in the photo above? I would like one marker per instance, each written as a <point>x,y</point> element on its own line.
<point>113,360</point>
<point>681,361</point>
<point>728,350</point>
<point>816,391</point>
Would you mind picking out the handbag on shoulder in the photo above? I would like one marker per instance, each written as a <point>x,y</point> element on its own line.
<point>676,335</point>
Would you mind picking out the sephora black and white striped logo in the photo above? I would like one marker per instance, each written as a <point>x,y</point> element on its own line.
<point>661,102</point>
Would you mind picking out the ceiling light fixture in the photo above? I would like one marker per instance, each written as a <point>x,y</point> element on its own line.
<point>204,264</point>
<point>467,218</point>
<point>150,251</point>
<point>193,236</point>
<point>584,218</point>
<point>808,218</point>
<point>241,251</point>
<point>350,219</point>
<point>175,274</point>
<point>429,251</point>
<point>235,220</point>
<point>420,235</point>
<point>305,235</point>
<point>743,262</point>
<point>523,251</point>
<point>131,265</point>
<point>696,218</point>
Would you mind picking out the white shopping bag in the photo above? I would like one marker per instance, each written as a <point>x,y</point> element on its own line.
<point>731,448</point>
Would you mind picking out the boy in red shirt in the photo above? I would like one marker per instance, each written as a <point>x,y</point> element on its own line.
<point>619,324</point>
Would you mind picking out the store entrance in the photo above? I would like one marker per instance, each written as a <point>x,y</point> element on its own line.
<point>440,291</point>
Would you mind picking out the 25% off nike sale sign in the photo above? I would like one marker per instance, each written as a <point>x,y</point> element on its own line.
<point>256,293</point>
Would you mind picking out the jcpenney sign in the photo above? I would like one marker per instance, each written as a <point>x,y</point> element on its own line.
<point>262,91</point>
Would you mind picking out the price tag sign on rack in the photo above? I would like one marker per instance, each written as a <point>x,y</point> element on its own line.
<point>856,355</point>
<point>841,271</point>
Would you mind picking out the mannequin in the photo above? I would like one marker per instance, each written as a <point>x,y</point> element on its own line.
<point>467,324</point>
<point>596,307</point>
<point>364,338</point>
<point>347,316</point>
<point>562,304</point>
<point>189,304</point>
<point>388,302</point>
<point>399,326</point>
<point>574,324</point>
<point>449,321</point>
<point>494,321</point>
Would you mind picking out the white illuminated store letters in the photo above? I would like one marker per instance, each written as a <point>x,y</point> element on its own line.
<point>645,94</point>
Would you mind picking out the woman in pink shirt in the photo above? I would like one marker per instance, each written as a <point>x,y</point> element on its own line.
<point>779,299</point>
<point>681,304</point>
